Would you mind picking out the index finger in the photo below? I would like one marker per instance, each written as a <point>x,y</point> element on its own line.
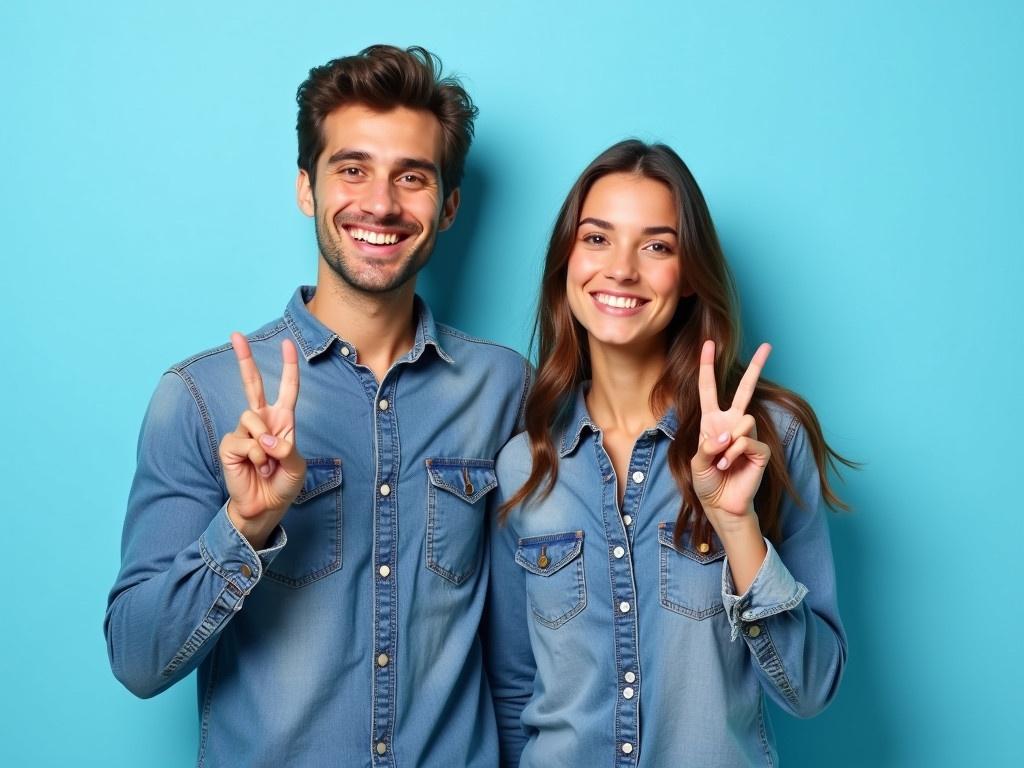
<point>288,393</point>
<point>706,386</point>
<point>252,382</point>
<point>747,385</point>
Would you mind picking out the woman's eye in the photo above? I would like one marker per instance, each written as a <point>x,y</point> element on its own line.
<point>659,248</point>
<point>595,239</point>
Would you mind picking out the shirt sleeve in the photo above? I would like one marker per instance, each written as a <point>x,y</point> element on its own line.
<point>789,617</point>
<point>507,652</point>
<point>185,569</point>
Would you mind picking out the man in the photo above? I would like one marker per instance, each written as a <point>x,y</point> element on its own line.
<point>330,599</point>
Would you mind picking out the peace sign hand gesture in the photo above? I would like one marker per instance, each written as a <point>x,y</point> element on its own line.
<point>730,461</point>
<point>263,470</point>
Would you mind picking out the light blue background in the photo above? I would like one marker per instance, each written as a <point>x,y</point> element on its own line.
<point>864,165</point>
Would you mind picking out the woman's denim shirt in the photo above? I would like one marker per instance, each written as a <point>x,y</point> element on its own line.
<point>611,645</point>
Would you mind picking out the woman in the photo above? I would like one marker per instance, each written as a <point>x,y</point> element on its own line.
<point>661,558</point>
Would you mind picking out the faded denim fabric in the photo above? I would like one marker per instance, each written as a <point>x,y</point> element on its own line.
<point>610,645</point>
<point>352,639</point>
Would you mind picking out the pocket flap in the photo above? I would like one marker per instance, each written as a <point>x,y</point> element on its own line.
<point>469,479</point>
<point>545,555</point>
<point>702,552</point>
<point>321,475</point>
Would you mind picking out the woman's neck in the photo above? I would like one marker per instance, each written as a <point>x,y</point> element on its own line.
<point>619,399</point>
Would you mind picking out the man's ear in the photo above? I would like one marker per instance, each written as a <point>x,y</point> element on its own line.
<point>304,193</point>
<point>448,211</point>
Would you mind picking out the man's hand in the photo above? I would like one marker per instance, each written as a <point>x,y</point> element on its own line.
<point>263,470</point>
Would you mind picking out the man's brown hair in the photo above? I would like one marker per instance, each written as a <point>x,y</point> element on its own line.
<point>384,77</point>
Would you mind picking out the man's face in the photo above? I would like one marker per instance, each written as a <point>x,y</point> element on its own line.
<point>377,200</point>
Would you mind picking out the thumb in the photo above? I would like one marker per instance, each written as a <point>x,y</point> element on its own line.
<point>707,450</point>
<point>285,452</point>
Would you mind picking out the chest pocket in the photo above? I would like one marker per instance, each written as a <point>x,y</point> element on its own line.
<point>691,574</point>
<point>556,586</point>
<point>313,527</point>
<point>455,515</point>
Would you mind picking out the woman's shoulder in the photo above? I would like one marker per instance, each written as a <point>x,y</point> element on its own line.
<point>514,460</point>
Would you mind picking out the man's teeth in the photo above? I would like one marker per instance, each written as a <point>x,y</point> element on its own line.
<point>622,302</point>
<point>374,238</point>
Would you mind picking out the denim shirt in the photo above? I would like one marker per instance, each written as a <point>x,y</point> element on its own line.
<point>351,640</point>
<point>611,645</point>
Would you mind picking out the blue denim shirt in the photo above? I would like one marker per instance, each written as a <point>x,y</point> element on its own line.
<point>351,640</point>
<point>611,645</point>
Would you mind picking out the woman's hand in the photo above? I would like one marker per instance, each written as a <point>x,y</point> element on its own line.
<point>730,461</point>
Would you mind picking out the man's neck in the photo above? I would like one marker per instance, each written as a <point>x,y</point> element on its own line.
<point>380,325</point>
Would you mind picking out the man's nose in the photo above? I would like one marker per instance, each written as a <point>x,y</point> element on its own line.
<point>380,199</point>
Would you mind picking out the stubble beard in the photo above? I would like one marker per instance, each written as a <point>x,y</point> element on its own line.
<point>370,279</point>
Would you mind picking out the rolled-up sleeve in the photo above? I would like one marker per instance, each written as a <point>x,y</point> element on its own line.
<point>789,617</point>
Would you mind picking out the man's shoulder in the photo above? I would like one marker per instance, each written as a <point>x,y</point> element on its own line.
<point>456,343</point>
<point>215,359</point>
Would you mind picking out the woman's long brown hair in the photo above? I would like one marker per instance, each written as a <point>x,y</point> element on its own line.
<point>710,313</point>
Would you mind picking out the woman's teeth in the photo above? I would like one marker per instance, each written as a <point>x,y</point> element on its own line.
<point>621,302</point>
<point>374,238</point>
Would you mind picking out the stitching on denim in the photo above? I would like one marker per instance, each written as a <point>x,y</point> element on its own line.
<point>581,600</point>
<point>330,567</point>
<point>761,731</point>
<point>204,730</point>
<point>790,432</point>
<point>214,618</point>
<point>770,661</point>
<point>672,605</point>
<point>788,605</point>
<point>204,413</point>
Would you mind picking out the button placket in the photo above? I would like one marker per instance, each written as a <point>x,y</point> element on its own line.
<point>385,678</point>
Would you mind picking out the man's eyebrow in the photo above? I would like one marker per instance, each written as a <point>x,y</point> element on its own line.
<point>646,231</point>
<point>348,155</point>
<point>418,164</point>
<point>405,163</point>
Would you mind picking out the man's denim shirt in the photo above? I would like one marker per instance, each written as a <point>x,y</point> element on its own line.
<point>351,640</point>
<point>611,645</point>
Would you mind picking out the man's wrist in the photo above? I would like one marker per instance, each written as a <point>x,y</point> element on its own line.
<point>256,532</point>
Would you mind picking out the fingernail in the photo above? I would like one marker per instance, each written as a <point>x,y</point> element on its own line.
<point>724,437</point>
<point>723,463</point>
<point>268,440</point>
<point>265,470</point>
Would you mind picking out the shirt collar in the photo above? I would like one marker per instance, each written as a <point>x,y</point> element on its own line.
<point>314,338</point>
<point>578,419</point>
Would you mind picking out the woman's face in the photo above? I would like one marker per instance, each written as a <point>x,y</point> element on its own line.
<point>624,278</point>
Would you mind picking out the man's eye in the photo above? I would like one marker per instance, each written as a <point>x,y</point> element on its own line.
<point>411,178</point>
<point>351,171</point>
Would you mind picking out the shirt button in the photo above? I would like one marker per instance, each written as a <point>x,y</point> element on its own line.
<point>627,693</point>
<point>383,405</point>
<point>754,631</point>
<point>385,489</point>
<point>246,571</point>
<point>627,519</point>
<point>345,351</point>
<point>627,748</point>
<point>629,677</point>
<point>384,571</point>
<point>382,660</point>
<point>638,477</point>
<point>618,551</point>
<point>703,547</point>
<point>381,747</point>
<point>624,606</point>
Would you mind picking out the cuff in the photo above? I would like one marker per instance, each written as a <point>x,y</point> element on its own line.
<point>230,555</point>
<point>773,591</point>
